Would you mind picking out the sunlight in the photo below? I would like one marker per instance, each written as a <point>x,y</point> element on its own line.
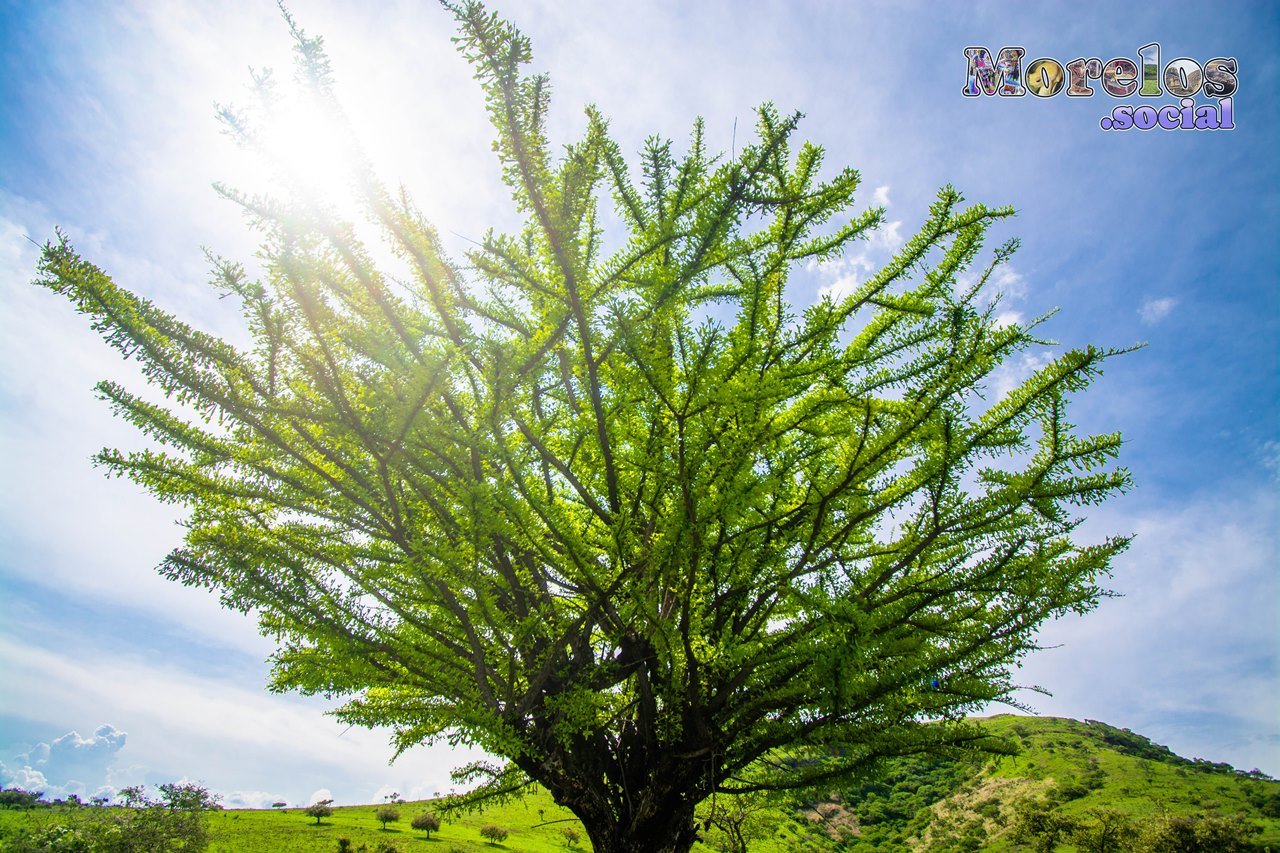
<point>314,154</point>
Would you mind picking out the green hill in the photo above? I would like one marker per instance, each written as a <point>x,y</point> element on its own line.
<point>1103,788</point>
<point>1072,786</point>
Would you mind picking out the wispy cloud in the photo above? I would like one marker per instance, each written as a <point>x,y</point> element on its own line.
<point>1188,655</point>
<point>221,731</point>
<point>1011,374</point>
<point>1155,310</point>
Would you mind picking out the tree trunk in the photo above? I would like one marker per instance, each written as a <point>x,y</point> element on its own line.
<point>659,818</point>
<point>666,831</point>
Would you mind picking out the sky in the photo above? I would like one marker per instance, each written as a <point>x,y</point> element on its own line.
<point>111,676</point>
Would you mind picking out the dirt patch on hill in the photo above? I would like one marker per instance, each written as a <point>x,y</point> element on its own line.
<point>985,809</point>
<point>836,819</point>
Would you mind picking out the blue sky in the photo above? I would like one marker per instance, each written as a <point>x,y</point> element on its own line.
<point>111,676</point>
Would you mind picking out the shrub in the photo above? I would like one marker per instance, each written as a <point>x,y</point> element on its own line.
<point>177,822</point>
<point>1199,834</point>
<point>427,822</point>
<point>494,833</point>
<point>386,815</point>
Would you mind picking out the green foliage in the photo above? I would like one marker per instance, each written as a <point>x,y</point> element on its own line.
<point>176,822</point>
<point>1041,828</point>
<point>1198,834</point>
<point>1099,788</point>
<point>493,833</point>
<point>1110,831</point>
<point>318,810</point>
<point>1106,831</point>
<point>427,822</point>
<point>387,814</point>
<point>17,798</point>
<point>629,520</point>
<point>571,836</point>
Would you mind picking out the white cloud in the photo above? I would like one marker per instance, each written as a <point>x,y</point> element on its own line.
<point>1008,283</point>
<point>1155,310</point>
<point>74,757</point>
<point>881,197</point>
<point>218,730</point>
<point>1011,374</point>
<point>1188,655</point>
<point>888,237</point>
<point>1007,318</point>
<point>845,273</point>
<point>319,795</point>
<point>25,777</point>
<point>250,799</point>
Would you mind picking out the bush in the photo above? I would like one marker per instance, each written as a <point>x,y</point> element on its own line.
<point>494,833</point>
<point>175,823</point>
<point>427,822</point>
<point>1199,834</point>
<point>386,815</point>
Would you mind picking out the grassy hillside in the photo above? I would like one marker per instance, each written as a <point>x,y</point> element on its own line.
<point>1067,773</point>
<point>1071,771</point>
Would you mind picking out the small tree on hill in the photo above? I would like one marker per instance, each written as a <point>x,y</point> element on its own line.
<point>387,814</point>
<point>427,822</point>
<point>571,836</point>
<point>608,505</point>
<point>321,809</point>
<point>493,833</point>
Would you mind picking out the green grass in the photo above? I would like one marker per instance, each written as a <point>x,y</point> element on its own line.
<point>291,831</point>
<point>1080,767</point>
<point>919,804</point>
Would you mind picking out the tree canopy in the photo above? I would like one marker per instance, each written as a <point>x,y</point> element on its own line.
<point>606,504</point>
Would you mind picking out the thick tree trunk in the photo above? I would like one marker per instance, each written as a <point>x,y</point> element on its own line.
<point>669,830</point>
<point>658,818</point>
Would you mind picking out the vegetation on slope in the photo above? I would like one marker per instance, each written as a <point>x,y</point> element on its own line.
<point>1072,786</point>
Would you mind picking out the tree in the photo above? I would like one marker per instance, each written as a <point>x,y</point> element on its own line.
<point>17,798</point>
<point>318,810</point>
<point>1109,831</point>
<point>571,836</point>
<point>609,507</point>
<point>427,822</point>
<point>188,796</point>
<point>387,814</point>
<point>493,833</point>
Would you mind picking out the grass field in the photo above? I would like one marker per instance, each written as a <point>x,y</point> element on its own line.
<point>1067,765</point>
<point>290,830</point>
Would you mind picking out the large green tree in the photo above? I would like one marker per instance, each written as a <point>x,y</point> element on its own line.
<point>606,505</point>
